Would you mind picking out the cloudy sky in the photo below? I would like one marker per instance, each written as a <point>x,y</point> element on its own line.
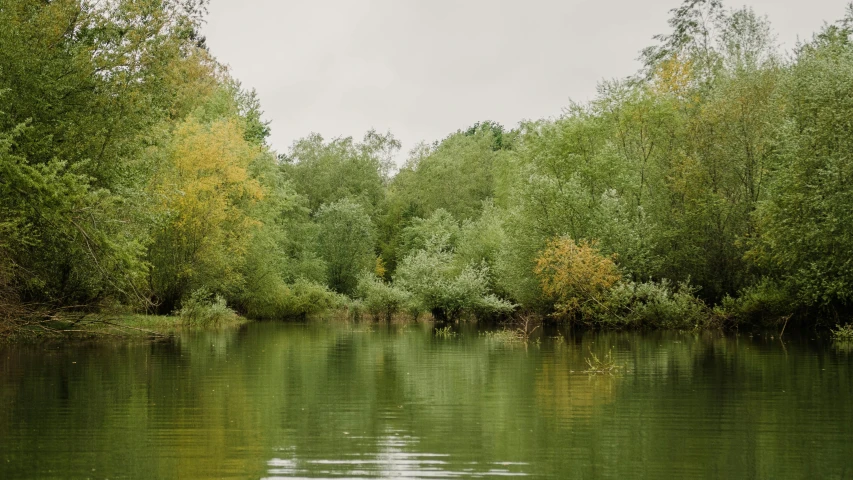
<point>425,68</point>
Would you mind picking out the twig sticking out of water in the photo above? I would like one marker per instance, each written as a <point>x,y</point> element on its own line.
<point>601,366</point>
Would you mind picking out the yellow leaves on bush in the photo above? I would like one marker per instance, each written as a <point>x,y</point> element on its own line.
<point>576,276</point>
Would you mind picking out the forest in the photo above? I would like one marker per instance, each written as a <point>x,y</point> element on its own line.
<point>711,189</point>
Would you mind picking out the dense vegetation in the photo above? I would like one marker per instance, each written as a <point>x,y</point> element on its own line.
<point>713,187</point>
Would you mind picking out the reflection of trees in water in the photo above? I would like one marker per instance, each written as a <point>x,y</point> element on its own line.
<point>209,404</point>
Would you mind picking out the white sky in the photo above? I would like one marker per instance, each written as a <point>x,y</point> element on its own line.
<point>426,68</point>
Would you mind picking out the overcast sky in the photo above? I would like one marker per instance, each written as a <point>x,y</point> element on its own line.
<point>425,68</point>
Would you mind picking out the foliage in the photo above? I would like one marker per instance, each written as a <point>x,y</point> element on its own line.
<point>515,331</point>
<point>843,333</point>
<point>135,171</point>
<point>763,302</point>
<point>440,230</point>
<point>379,298</point>
<point>455,175</point>
<point>346,240</point>
<point>805,222</point>
<point>281,301</point>
<point>202,308</point>
<point>506,337</point>
<point>444,332</point>
<point>577,277</point>
<point>438,287</point>
<point>655,305</point>
<point>328,172</point>
<point>205,230</point>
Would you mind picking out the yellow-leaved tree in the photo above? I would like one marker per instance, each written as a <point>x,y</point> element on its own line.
<point>206,193</point>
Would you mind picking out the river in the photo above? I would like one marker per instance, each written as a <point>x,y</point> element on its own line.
<point>327,400</point>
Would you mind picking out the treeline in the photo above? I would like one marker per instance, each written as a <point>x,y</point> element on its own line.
<point>711,187</point>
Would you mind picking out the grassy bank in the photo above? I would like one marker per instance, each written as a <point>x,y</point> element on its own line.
<point>106,326</point>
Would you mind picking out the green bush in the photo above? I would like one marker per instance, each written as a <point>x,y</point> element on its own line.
<point>437,287</point>
<point>299,299</point>
<point>305,298</point>
<point>204,309</point>
<point>381,299</point>
<point>763,302</point>
<point>654,304</point>
<point>843,333</point>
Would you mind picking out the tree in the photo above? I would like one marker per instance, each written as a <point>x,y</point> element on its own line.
<point>206,192</point>
<point>346,241</point>
<point>326,172</point>
<point>804,224</point>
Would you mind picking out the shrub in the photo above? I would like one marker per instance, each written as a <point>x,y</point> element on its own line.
<point>655,304</point>
<point>762,302</point>
<point>298,299</point>
<point>381,299</point>
<point>306,298</point>
<point>576,277</point>
<point>204,309</point>
<point>436,286</point>
<point>843,333</point>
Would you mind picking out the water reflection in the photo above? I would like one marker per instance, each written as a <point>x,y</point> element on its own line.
<point>393,460</point>
<point>342,401</point>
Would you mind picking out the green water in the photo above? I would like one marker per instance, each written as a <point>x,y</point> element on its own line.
<point>279,400</point>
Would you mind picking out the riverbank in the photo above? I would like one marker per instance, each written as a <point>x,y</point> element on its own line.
<point>107,326</point>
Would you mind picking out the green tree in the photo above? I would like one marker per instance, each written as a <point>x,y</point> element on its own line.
<point>805,222</point>
<point>326,172</point>
<point>346,243</point>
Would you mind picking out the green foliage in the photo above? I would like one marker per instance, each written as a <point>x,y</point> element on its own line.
<point>506,337</point>
<point>603,365</point>
<point>761,303</point>
<point>480,240</point>
<point>379,298</point>
<point>135,170</point>
<point>440,230</point>
<point>805,223</point>
<point>204,309</point>
<point>843,333</point>
<point>444,332</point>
<point>438,287</point>
<point>328,172</point>
<point>64,237</point>
<point>655,305</point>
<point>346,241</point>
<point>455,175</point>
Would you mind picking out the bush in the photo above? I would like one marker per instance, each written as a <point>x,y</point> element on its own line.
<point>576,277</point>
<point>305,298</point>
<point>655,304</point>
<point>436,286</point>
<point>766,301</point>
<point>204,309</point>
<point>298,299</point>
<point>842,333</point>
<point>380,299</point>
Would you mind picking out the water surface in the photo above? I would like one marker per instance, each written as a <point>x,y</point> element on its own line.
<point>276,400</point>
